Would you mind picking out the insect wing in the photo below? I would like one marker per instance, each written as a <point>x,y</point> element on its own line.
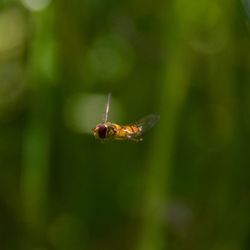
<point>106,110</point>
<point>147,122</point>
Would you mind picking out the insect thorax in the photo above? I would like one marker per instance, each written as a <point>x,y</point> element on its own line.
<point>112,130</point>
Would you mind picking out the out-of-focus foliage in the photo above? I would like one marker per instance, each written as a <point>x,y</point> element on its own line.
<point>246,6</point>
<point>186,186</point>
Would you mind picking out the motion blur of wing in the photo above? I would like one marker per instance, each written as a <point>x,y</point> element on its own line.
<point>147,122</point>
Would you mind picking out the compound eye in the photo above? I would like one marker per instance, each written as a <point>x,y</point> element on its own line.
<point>102,131</point>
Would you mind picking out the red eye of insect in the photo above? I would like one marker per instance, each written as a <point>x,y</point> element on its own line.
<point>102,131</point>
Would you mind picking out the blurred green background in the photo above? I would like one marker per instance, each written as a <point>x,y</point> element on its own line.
<point>186,186</point>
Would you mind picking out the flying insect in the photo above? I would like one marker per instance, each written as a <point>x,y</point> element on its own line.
<point>112,131</point>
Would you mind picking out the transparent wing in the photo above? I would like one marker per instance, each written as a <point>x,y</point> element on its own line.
<point>106,110</point>
<point>147,122</point>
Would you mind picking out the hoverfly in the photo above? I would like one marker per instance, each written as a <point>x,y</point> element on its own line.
<point>112,131</point>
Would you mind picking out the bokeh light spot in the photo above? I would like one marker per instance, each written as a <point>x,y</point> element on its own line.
<point>66,232</point>
<point>36,5</point>
<point>12,32</point>
<point>111,58</point>
<point>83,112</point>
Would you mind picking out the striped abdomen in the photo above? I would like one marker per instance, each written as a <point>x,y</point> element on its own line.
<point>125,132</point>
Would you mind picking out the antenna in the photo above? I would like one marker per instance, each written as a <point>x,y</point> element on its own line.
<point>106,110</point>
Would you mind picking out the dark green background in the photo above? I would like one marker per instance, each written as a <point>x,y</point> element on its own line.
<point>186,186</point>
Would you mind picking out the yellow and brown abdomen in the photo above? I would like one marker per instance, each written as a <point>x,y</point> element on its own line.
<point>126,131</point>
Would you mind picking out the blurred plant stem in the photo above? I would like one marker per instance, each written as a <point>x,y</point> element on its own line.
<point>227,195</point>
<point>220,77</point>
<point>37,137</point>
<point>174,87</point>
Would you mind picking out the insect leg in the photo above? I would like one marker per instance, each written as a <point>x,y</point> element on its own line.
<point>129,137</point>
